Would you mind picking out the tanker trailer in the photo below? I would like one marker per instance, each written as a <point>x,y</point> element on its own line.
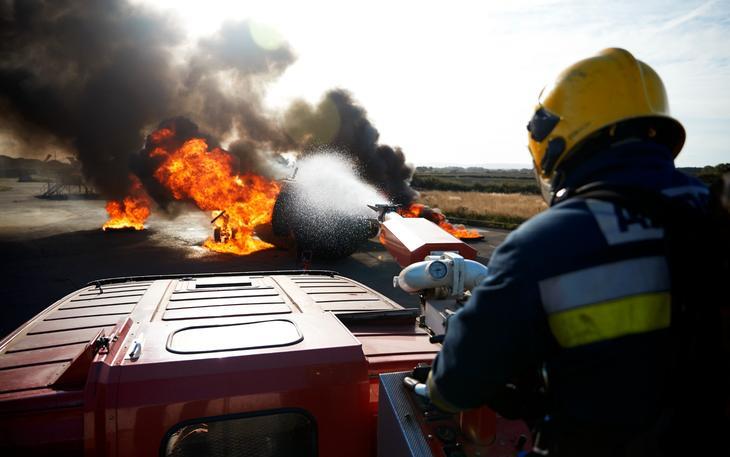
<point>325,233</point>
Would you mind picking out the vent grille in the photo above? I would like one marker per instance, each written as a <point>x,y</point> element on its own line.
<point>340,295</point>
<point>36,357</point>
<point>220,297</point>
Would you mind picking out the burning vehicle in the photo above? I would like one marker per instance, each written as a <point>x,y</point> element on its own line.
<point>178,163</point>
<point>249,363</point>
<point>330,219</point>
<point>324,215</point>
<point>330,235</point>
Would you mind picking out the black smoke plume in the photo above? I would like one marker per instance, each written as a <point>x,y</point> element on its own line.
<point>95,76</point>
<point>340,122</point>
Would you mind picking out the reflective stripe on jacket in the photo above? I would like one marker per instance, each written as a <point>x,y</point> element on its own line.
<point>608,301</point>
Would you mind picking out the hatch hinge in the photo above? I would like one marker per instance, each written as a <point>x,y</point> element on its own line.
<point>102,342</point>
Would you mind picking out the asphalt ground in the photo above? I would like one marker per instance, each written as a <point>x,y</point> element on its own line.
<point>53,247</point>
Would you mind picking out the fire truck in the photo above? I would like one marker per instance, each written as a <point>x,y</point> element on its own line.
<point>269,363</point>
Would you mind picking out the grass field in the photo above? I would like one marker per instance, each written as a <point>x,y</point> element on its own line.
<point>494,209</point>
<point>502,198</point>
<point>475,180</point>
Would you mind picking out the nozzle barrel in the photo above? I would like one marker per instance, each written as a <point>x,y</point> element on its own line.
<point>382,209</point>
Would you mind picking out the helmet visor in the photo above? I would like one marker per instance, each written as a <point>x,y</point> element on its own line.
<point>542,123</point>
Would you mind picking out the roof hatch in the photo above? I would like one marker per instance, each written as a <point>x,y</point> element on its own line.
<point>234,337</point>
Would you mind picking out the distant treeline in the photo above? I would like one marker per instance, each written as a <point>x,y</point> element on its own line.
<point>479,170</point>
<point>477,179</point>
<point>483,185</point>
<point>709,175</point>
<point>14,167</point>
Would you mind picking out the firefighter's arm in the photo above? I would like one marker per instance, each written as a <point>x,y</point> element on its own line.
<point>498,335</point>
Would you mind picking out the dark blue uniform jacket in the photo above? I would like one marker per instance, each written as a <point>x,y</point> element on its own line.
<point>579,292</point>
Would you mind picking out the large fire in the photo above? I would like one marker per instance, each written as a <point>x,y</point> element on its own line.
<point>238,203</point>
<point>131,212</point>
<point>192,172</point>
<point>206,177</point>
<point>458,230</point>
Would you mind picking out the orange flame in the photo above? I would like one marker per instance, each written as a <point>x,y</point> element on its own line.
<point>458,230</point>
<point>207,178</point>
<point>131,212</point>
<point>160,135</point>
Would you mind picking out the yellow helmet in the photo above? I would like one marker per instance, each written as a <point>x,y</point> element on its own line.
<point>590,99</point>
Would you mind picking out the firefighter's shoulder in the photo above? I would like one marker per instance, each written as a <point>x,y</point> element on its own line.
<point>557,238</point>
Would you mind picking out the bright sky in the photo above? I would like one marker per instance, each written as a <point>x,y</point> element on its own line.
<point>455,82</point>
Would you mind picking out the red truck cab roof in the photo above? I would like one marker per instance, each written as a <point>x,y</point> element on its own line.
<point>120,366</point>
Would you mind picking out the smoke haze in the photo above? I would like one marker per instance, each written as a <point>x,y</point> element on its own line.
<point>341,123</point>
<point>95,77</point>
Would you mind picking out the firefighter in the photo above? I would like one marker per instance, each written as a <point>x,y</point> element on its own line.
<point>582,293</point>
